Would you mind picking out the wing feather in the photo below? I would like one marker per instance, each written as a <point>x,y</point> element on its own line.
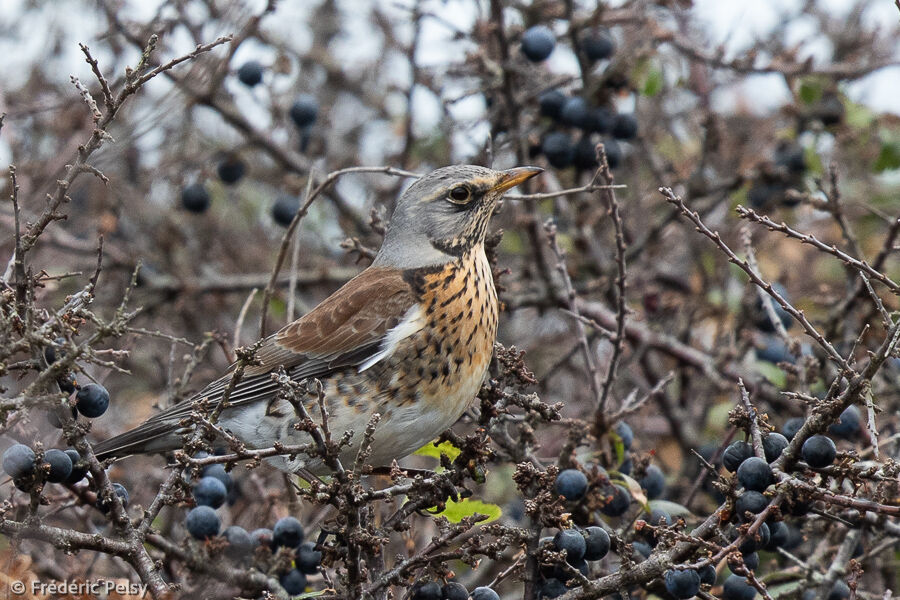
<point>350,328</point>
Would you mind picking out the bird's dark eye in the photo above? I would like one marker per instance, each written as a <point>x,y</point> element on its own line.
<point>460,194</point>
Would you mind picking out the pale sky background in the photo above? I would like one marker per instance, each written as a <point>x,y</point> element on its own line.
<point>732,23</point>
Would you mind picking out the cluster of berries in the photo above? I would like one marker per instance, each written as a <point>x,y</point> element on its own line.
<point>195,197</point>
<point>568,114</point>
<point>211,491</point>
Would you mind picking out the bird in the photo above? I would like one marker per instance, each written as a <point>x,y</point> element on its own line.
<point>410,338</point>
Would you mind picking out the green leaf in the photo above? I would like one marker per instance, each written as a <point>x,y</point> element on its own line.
<point>619,447</point>
<point>457,511</point>
<point>673,508</point>
<point>888,158</point>
<point>858,116</point>
<point>654,82</point>
<point>776,376</point>
<point>435,450</point>
<point>810,90</point>
<point>813,161</point>
<point>786,590</point>
<point>717,417</point>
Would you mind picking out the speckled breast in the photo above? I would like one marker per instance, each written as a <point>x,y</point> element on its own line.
<point>431,378</point>
<point>443,365</point>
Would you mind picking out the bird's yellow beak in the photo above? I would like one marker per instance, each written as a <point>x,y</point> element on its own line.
<point>513,177</point>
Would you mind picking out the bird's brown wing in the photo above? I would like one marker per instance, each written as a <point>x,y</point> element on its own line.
<point>347,329</point>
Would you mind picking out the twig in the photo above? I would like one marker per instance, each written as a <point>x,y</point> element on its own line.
<point>805,238</point>
<point>580,332</point>
<point>619,341</point>
<point>295,256</point>
<point>236,342</point>
<point>288,234</point>
<point>733,258</point>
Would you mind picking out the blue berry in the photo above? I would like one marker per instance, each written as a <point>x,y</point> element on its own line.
<point>209,491</point>
<point>708,575</point>
<point>653,482</point>
<point>250,73</point>
<point>308,558</point>
<point>754,542</point>
<point>623,430</point>
<point>92,400</point>
<point>79,466</point>
<point>599,120</point>
<point>750,501</point>
<point>538,43</point>
<point>625,126</point>
<point>284,209</point>
<point>218,471</point>
<point>574,112</point>
<point>106,505</point>
<point>571,484</point>
<point>598,44</point>
<point>755,474</point>
<point>839,591</point>
<point>617,503</point>
<point>427,591</point>
<point>262,537</point>
<point>484,593</point>
<point>751,561</point>
<point>195,198</point>
<point>231,169</point>
<point>18,461</point>
<point>763,194</point>
<point>240,544</point>
<point>572,543</point>
<point>818,451</point>
<point>551,103</point>
<point>304,111</point>
<point>454,591</point>
<point>737,588</point>
<point>773,445</point>
<point>60,465</point>
<point>792,426</point>
<point>642,548</point>
<point>287,532</point>
<point>557,147</point>
<point>774,350</point>
<point>848,424</point>
<point>66,383</point>
<point>293,582</point>
<point>202,522</point>
<point>660,518</point>
<point>585,153</point>
<point>682,584</point>
<point>791,156</point>
<point>736,453</point>
<point>50,352</point>
<point>657,518</point>
<point>596,543</point>
<point>778,535</point>
<point>553,588</point>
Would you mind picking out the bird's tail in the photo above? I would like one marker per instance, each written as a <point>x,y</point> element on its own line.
<point>151,436</point>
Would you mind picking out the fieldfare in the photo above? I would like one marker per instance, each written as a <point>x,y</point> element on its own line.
<point>410,337</point>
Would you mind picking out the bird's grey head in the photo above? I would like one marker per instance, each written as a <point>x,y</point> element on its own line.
<point>444,214</point>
